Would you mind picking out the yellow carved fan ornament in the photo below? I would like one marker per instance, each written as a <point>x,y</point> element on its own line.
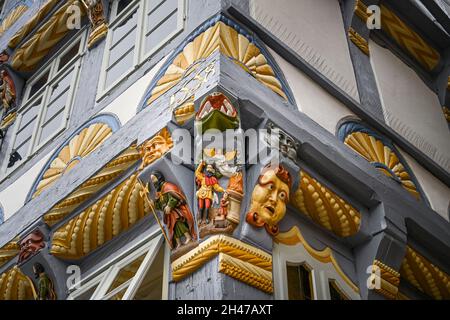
<point>230,43</point>
<point>79,147</point>
<point>375,151</point>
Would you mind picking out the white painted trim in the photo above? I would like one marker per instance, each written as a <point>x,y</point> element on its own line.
<point>44,94</point>
<point>105,275</point>
<point>321,273</point>
<point>143,269</point>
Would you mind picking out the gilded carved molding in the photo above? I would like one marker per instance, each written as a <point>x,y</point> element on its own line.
<point>425,276</point>
<point>116,212</point>
<point>387,278</point>
<point>230,42</point>
<point>361,10</point>
<point>379,152</point>
<point>446,113</point>
<point>32,23</point>
<point>9,251</point>
<point>359,41</point>
<point>12,17</point>
<point>14,285</point>
<point>246,272</point>
<point>294,237</point>
<point>408,39</point>
<point>326,208</point>
<point>29,54</point>
<point>80,146</point>
<point>88,189</point>
<point>236,259</point>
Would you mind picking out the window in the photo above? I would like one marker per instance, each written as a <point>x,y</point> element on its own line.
<point>138,275</point>
<point>301,272</point>
<point>138,29</point>
<point>47,101</point>
<point>335,292</point>
<point>299,282</point>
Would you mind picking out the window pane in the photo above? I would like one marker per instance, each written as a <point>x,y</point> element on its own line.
<point>61,86</point>
<point>27,124</point>
<point>299,283</point>
<point>335,292</point>
<point>161,21</point>
<point>123,46</point>
<point>52,126</point>
<point>127,272</point>
<point>22,149</point>
<point>56,106</point>
<point>38,84</point>
<point>122,5</point>
<point>124,27</point>
<point>73,52</point>
<point>119,295</point>
<point>151,286</point>
<point>88,294</point>
<point>116,71</point>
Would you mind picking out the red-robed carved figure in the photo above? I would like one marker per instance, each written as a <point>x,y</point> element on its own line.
<point>178,218</point>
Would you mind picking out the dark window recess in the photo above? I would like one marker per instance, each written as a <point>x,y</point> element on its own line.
<point>299,282</point>
<point>122,5</point>
<point>73,52</point>
<point>39,84</point>
<point>335,292</point>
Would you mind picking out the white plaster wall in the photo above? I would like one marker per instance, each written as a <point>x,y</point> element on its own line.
<point>13,197</point>
<point>437,193</point>
<point>410,107</point>
<point>311,98</point>
<point>315,30</point>
<point>125,105</point>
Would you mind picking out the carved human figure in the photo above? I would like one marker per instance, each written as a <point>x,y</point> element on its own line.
<point>206,177</point>
<point>7,91</point>
<point>269,198</point>
<point>45,289</point>
<point>178,218</point>
<point>96,15</point>
<point>224,203</point>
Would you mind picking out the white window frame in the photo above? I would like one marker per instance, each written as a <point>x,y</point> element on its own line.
<point>104,276</point>
<point>140,56</point>
<point>321,273</point>
<point>44,93</point>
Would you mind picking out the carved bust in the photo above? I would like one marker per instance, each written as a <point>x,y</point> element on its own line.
<point>30,245</point>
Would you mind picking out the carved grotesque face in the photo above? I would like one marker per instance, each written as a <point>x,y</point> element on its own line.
<point>154,149</point>
<point>30,245</point>
<point>269,199</point>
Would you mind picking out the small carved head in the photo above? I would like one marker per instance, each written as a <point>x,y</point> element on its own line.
<point>269,198</point>
<point>30,245</point>
<point>156,147</point>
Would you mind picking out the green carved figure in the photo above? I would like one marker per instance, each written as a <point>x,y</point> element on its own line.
<point>45,290</point>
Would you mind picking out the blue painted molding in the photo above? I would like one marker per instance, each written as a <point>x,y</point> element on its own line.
<point>351,126</point>
<point>2,214</point>
<point>110,119</point>
<point>208,24</point>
